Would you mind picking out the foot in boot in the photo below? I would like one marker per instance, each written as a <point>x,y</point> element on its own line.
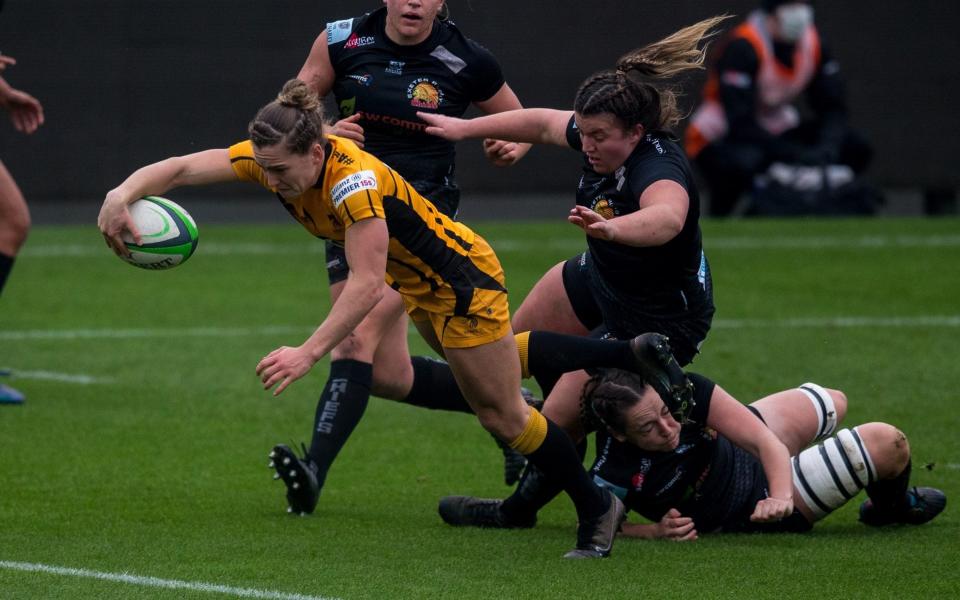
<point>923,504</point>
<point>595,537</point>
<point>477,512</point>
<point>654,361</point>
<point>300,477</point>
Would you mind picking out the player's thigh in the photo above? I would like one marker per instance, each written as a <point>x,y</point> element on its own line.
<point>802,415</point>
<point>489,376</point>
<point>548,308</point>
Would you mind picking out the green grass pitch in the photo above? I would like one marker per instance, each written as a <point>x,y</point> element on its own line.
<point>142,447</point>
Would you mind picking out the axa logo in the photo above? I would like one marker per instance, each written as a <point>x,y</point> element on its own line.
<point>359,41</point>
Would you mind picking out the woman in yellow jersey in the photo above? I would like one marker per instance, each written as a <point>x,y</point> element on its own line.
<point>449,277</point>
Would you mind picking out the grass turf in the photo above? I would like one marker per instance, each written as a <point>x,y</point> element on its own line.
<point>155,464</point>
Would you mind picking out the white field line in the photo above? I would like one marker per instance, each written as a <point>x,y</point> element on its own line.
<point>199,332</point>
<point>155,582</point>
<point>570,243</point>
<point>832,322</point>
<point>61,377</point>
<point>204,332</point>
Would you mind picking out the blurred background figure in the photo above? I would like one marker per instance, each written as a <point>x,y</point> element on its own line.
<point>27,115</point>
<point>750,122</point>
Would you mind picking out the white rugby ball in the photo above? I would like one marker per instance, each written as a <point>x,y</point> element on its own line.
<point>168,232</point>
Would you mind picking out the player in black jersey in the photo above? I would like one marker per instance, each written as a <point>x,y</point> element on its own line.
<point>724,469</point>
<point>381,68</point>
<point>645,269</point>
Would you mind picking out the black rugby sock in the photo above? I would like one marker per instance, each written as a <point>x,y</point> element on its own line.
<point>435,387</point>
<point>6,264</point>
<point>550,355</point>
<point>890,495</point>
<point>534,491</point>
<point>558,460</point>
<point>340,408</point>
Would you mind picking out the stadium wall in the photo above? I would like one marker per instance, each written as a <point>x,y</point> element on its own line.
<point>127,82</point>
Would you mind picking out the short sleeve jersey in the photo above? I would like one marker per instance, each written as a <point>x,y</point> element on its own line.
<point>388,83</point>
<point>641,271</point>
<point>429,255</point>
<point>650,483</point>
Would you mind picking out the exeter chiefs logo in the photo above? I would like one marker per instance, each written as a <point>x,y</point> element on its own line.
<point>604,208</point>
<point>424,93</point>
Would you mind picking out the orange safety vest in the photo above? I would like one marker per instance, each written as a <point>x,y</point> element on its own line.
<point>777,86</point>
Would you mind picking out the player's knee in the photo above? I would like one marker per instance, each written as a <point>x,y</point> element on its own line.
<point>500,423</point>
<point>354,347</point>
<point>14,231</point>
<point>888,446</point>
<point>391,380</point>
<point>839,403</point>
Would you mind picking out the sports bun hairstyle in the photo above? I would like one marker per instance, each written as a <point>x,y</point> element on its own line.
<point>607,395</point>
<point>638,91</point>
<point>295,119</point>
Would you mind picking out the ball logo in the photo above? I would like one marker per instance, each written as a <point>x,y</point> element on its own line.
<point>424,93</point>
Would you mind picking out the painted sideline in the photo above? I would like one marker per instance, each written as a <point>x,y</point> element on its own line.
<point>179,332</point>
<point>172,584</point>
<point>571,243</point>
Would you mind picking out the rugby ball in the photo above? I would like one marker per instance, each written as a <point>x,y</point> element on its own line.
<point>168,232</point>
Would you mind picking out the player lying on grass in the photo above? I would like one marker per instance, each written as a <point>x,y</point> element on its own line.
<point>726,467</point>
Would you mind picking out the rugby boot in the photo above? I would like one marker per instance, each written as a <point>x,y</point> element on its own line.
<point>595,537</point>
<point>655,362</point>
<point>300,477</point>
<point>8,395</point>
<point>923,504</point>
<point>469,511</point>
<point>513,461</point>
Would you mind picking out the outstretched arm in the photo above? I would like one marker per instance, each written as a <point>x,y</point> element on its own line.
<point>531,125</point>
<point>208,166</point>
<point>366,249</point>
<point>502,153</point>
<point>26,112</point>
<point>740,426</point>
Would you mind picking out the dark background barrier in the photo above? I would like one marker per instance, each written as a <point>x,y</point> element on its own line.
<point>127,82</point>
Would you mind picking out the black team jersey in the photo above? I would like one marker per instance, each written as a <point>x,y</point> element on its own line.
<point>706,477</point>
<point>641,271</point>
<point>388,83</point>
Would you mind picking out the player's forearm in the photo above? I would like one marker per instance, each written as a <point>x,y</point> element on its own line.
<point>775,459</point>
<point>651,226</point>
<point>360,294</point>
<point>156,178</point>
<point>528,125</point>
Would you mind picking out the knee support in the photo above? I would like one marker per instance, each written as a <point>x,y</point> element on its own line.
<point>823,405</point>
<point>832,472</point>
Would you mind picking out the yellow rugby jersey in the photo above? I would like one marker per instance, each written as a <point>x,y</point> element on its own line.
<point>435,262</point>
